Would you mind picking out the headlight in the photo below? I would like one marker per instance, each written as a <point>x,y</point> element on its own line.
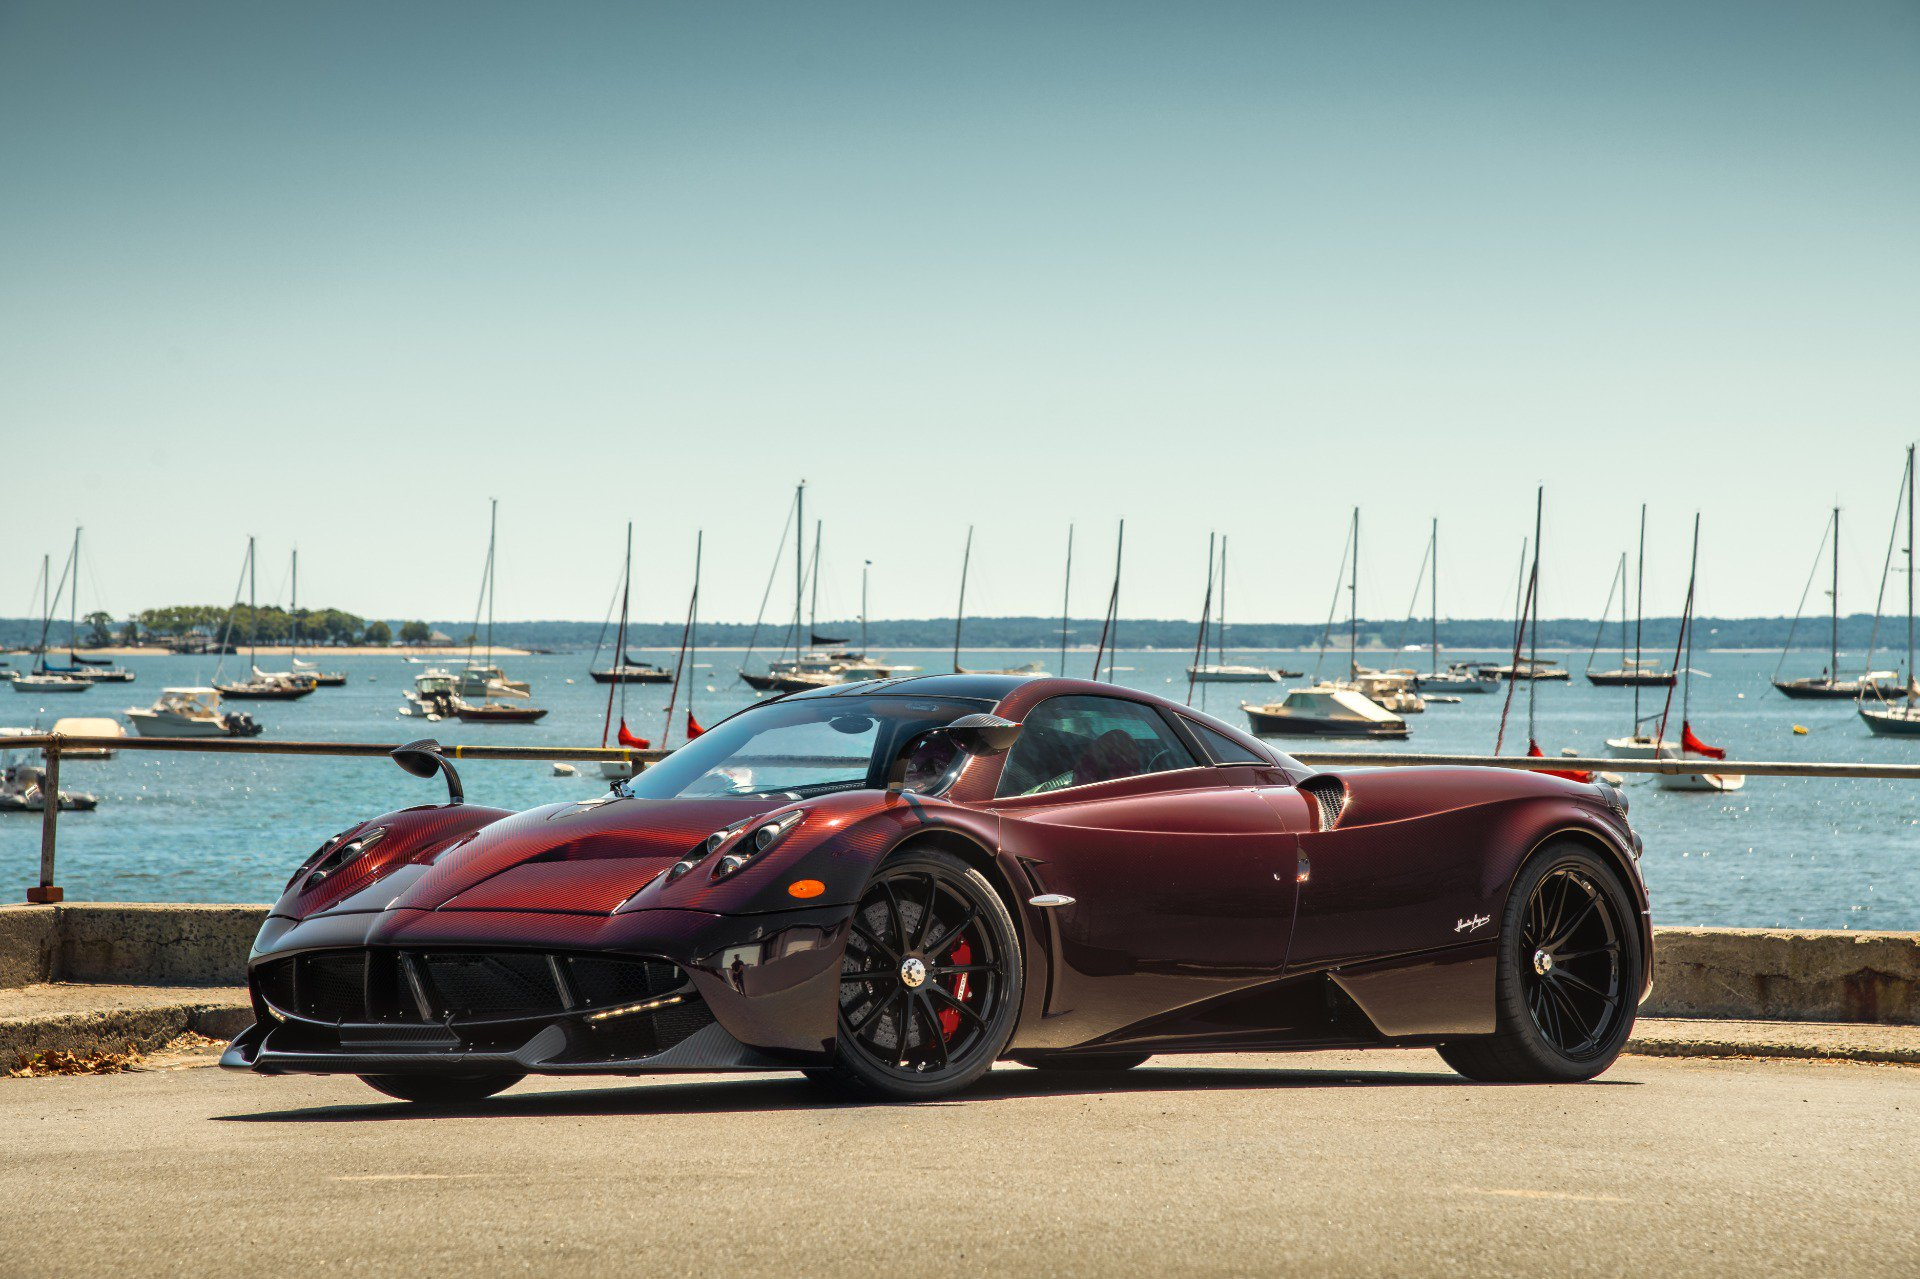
<point>758,840</point>
<point>334,854</point>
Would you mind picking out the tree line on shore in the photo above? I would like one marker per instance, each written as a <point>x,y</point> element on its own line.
<point>327,627</point>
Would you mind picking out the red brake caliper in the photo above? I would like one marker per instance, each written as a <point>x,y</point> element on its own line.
<point>950,1017</point>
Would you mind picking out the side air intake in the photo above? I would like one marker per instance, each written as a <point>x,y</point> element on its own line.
<point>1329,795</point>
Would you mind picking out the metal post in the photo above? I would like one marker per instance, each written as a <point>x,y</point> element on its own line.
<point>46,894</point>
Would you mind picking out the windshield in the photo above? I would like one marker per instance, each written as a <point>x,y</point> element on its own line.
<point>810,746</point>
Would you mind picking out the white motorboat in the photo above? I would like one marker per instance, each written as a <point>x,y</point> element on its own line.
<point>1459,677</point>
<point>1390,690</point>
<point>1325,710</point>
<point>190,712</point>
<point>22,790</point>
<point>490,682</point>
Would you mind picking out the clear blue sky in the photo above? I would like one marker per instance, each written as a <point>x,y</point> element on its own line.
<point>336,273</point>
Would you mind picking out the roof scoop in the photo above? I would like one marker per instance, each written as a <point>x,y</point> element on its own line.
<point>423,759</point>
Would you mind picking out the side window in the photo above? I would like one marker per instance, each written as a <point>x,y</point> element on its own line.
<point>1074,741</point>
<point>1223,748</point>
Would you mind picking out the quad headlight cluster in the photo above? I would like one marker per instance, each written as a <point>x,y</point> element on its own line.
<point>741,843</point>
<point>334,854</point>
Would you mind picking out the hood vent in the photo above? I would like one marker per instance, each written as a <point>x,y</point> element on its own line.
<point>1329,794</point>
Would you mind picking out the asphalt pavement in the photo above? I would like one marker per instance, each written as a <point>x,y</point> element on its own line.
<point>1347,1164</point>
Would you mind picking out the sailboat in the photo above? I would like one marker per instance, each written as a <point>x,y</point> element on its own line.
<point>483,679</point>
<point>1527,627</point>
<point>310,670</point>
<point>1902,718</point>
<point>1332,708</point>
<point>1219,670</point>
<point>619,770</point>
<point>45,679</point>
<point>1633,672</point>
<point>791,674</point>
<point>1459,677</point>
<point>260,686</point>
<point>960,616</point>
<point>1691,747</point>
<point>625,669</point>
<point>93,670</point>
<point>1639,744</point>
<point>1828,686</point>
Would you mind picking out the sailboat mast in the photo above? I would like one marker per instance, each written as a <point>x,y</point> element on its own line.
<point>960,609</point>
<point>1200,636</point>
<point>1433,588</point>
<point>1066,601</point>
<point>493,538</point>
<point>813,607</point>
<point>1833,641</point>
<point>73,600</point>
<point>1623,607</point>
<point>1639,604</point>
<point>46,609</point>
<point>1910,577</point>
<point>253,612</point>
<point>1532,611</point>
<point>799,560</point>
<point>293,609</point>
<point>618,683</point>
<point>1220,635</point>
<point>865,565</point>
<point>1353,603</point>
<point>1686,626</point>
<point>1119,555</point>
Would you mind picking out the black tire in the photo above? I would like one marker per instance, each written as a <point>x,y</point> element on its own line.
<point>931,981</point>
<point>1102,1063</point>
<point>1570,974</point>
<point>440,1090</point>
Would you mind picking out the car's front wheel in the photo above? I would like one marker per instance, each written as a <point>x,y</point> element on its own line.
<point>1570,970</point>
<point>930,985</point>
<point>440,1090</point>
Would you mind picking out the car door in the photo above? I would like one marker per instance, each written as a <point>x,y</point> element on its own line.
<point>1180,875</point>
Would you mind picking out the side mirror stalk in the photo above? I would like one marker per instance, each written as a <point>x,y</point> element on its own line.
<point>423,759</point>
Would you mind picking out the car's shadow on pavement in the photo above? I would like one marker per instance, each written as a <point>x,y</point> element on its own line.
<point>762,1093</point>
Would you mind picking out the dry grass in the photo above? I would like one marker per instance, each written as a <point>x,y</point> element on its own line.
<point>62,1062</point>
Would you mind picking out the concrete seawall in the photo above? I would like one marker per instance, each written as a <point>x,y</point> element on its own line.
<point>1742,973</point>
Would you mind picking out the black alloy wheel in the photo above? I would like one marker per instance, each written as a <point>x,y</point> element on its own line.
<point>1569,979</point>
<point>930,984</point>
<point>440,1090</point>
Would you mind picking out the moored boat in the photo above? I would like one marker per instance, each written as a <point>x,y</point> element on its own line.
<point>1900,718</point>
<point>190,712</point>
<point>1325,710</point>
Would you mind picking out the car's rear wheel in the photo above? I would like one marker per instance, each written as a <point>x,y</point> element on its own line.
<point>440,1090</point>
<point>1086,1064</point>
<point>1569,980</point>
<point>930,985</point>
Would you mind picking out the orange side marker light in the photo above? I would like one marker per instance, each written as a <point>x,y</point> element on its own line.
<point>806,888</point>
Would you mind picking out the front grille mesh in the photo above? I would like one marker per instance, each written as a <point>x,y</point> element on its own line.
<point>368,986</point>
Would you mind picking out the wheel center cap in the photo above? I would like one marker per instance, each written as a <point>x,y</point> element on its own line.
<point>1542,962</point>
<point>912,973</point>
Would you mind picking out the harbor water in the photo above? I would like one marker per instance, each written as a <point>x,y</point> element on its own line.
<point>189,827</point>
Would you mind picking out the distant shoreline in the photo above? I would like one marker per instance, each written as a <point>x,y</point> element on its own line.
<point>304,652</point>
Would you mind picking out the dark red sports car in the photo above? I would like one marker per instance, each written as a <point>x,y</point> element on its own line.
<point>894,884</point>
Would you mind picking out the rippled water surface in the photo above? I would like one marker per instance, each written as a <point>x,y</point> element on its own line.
<point>182,827</point>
